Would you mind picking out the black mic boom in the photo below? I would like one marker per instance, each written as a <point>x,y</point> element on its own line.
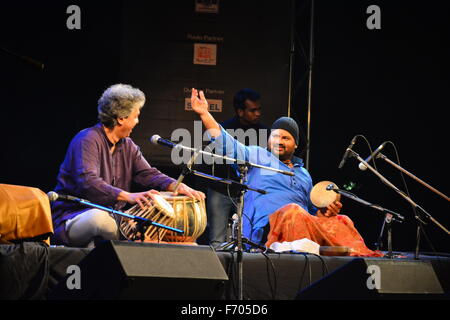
<point>361,166</point>
<point>347,152</point>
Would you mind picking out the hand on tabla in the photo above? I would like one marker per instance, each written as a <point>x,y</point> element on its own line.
<point>187,191</point>
<point>143,199</point>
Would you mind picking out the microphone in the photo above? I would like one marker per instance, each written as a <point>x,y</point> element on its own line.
<point>347,152</point>
<point>53,196</point>
<point>361,166</point>
<point>156,139</point>
<point>331,187</point>
<point>26,59</point>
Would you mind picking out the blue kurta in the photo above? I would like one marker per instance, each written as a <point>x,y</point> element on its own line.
<point>281,189</point>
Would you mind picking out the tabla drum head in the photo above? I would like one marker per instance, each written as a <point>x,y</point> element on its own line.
<point>169,196</point>
<point>321,197</point>
<point>163,205</point>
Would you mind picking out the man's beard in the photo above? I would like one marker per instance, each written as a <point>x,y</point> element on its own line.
<point>285,156</point>
<point>282,156</point>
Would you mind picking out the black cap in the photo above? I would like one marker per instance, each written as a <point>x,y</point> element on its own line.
<point>287,124</point>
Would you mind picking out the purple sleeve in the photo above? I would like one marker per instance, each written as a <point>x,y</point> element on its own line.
<point>86,166</point>
<point>147,176</point>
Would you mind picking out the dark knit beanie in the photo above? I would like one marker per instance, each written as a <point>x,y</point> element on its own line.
<point>289,125</point>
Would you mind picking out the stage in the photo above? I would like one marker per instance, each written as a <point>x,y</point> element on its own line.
<point>125,270</point>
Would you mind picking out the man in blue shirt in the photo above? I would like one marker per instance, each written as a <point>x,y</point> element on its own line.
<point>281,189</point>
<point>286,207</point>
<point>221,198</point>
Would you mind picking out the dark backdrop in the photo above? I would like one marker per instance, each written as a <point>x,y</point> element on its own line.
<point>43,110</point>
<point>157,56</point>
<point>387,84</point>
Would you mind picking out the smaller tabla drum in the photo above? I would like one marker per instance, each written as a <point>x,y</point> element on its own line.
<point>321,197</point>
<point>190,216</point>
<point>159,211</point>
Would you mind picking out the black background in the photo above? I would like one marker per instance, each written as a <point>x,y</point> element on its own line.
<point>388,84</point>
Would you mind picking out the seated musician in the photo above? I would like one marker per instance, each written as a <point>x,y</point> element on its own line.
<point>100,165</point>
<point>286,208</point>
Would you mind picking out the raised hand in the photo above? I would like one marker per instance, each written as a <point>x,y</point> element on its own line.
<point>198,102</point>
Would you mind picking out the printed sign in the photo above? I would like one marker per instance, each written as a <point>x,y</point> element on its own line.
<point>214,105</point>
<point>205,53</point>
<point>207,6</point>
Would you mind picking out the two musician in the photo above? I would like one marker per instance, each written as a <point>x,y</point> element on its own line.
<point>102,162</point>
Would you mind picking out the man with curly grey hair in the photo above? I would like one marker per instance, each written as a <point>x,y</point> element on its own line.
<point>101,165</point>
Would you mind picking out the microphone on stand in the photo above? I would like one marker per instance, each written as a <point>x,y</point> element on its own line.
<point>53,196</point>
<point>347,152</point>
<point>331,187</point>
<point>26,59</point>
<point>361,166</point>
<point>156,139</point>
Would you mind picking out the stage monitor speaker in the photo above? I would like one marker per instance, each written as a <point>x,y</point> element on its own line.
<point>377,279</point>
<point>130,270</point>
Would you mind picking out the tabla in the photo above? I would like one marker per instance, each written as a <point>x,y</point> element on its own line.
<point>179,212</point>
<point>159,211</point>
<point>190,216</point>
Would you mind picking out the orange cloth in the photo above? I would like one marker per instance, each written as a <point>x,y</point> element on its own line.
<point>24,213</point>
<point>292,222</point>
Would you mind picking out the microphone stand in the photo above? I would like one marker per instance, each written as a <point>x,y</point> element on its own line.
<point>390,216</point>
<point>233,160</point>
<point>242,187</point>
<point>240,252</point>
<point>227,181</point>
<point>186,170</point>
<point>244,165</point>
<point>239,240</point>
<point>142,223</point>
<point>417,216</point>
<point>405,196</point>
<point>382,156</point>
